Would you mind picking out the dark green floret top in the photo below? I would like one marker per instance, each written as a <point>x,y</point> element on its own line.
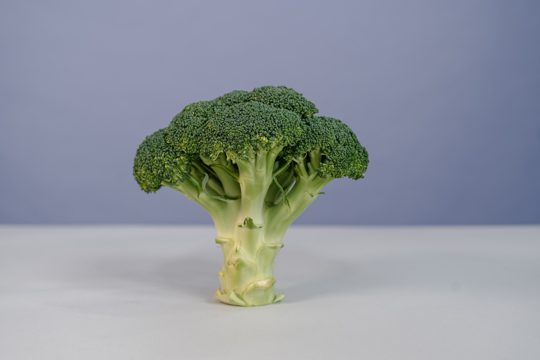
<point>157,163</point>
<point>243,126</point>
<point>341,155</point>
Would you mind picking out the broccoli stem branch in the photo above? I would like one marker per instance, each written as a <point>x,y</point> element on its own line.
<point>305,192</point>
<point>255,178</point>
<point>227,174</point>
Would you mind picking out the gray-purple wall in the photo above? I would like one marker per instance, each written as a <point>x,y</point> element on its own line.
<point>444,94</point>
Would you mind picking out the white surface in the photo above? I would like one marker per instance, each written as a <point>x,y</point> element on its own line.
<point>352,293</point>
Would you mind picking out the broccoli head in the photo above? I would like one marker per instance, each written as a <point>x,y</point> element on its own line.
<point>254,160</point>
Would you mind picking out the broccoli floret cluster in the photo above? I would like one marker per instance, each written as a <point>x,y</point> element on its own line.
<point>238,125</point>
<point>254,160</point>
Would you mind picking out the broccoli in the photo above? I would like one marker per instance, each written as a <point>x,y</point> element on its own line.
<point>255,161</point>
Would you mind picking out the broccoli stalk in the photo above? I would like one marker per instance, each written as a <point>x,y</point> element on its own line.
<point>255,161</point>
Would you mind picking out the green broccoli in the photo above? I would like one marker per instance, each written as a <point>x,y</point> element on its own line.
<point>254,160</point>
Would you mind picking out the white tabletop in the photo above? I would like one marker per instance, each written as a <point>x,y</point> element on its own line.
<point>434,293</point>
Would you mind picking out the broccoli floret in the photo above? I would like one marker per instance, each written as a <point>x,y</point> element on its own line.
<point>254,160</point>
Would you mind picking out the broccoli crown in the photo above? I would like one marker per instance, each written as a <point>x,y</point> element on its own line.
<point>240,124</point>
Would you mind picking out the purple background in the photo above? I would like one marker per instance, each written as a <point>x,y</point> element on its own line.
<point>444,94</point>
